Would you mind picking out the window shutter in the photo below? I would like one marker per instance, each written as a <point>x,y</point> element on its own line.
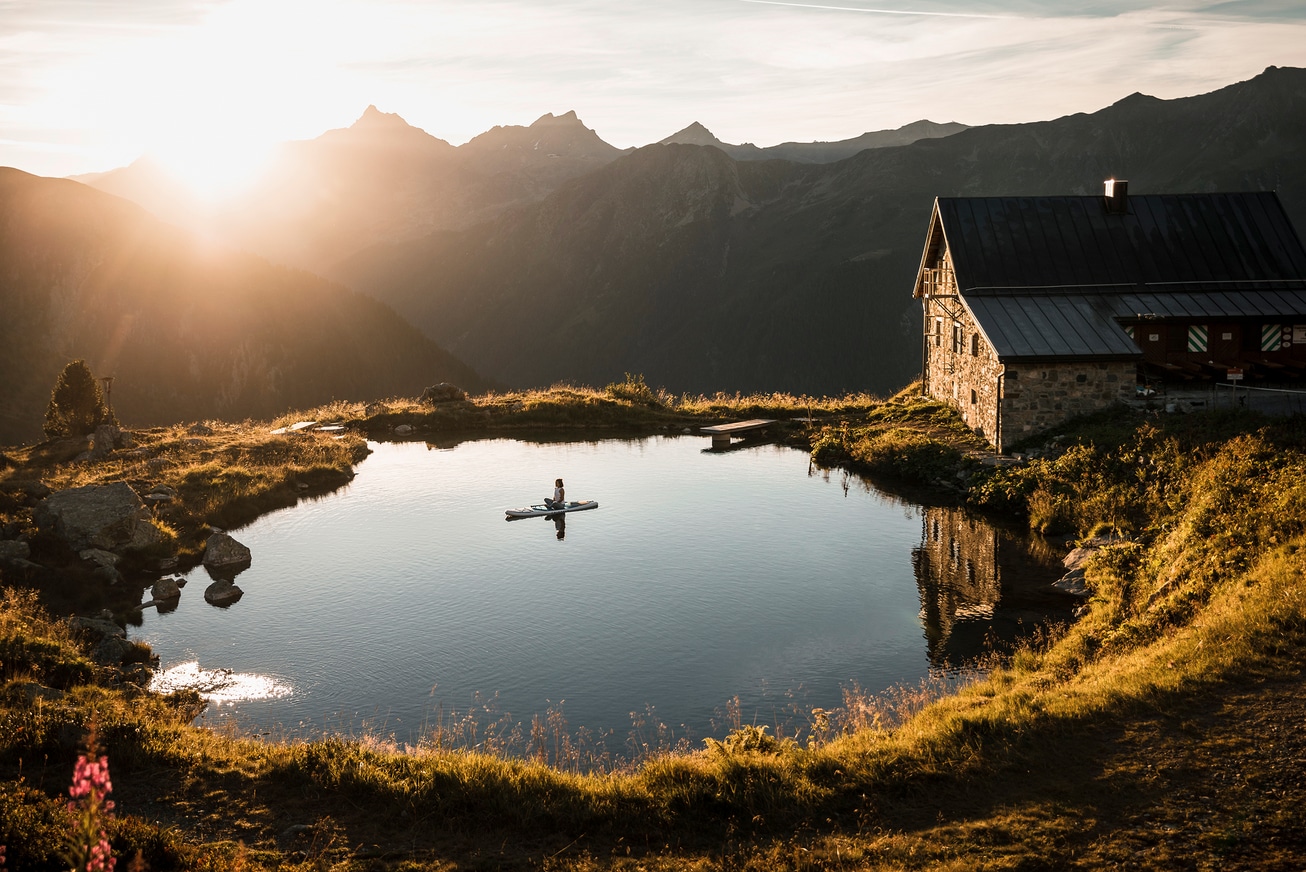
<point>1197,337</point>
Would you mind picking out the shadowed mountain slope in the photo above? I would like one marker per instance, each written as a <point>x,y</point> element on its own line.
<point>704,273</point>
<point>816,152</point>
<point>189,331</point>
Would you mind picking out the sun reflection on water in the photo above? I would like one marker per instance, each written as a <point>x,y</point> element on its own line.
<point>219,685</point>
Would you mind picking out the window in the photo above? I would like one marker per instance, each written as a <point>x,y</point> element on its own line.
<point>938,331</point>
<point>974,397</point>
<point>958,337</point>
<point>938,280</point>
<point>974,344</point>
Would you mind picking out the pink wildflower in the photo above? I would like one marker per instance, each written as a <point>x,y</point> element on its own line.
<point>90,806</point>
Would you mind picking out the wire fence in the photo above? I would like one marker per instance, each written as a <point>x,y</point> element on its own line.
<point>1271,401</point>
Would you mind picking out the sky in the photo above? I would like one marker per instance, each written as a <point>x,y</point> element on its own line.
<point>89,85</point>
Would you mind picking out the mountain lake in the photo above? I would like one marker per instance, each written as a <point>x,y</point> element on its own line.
<point>708,588</point>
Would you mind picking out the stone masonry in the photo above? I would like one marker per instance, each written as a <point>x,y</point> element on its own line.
<point>1006,402</point>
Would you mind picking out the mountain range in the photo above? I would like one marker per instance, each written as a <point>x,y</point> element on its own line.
<point>382,180</point>
<point>707,273</point>
<point>188,329</point>
<point>816,152</point>
<point>541,253</point>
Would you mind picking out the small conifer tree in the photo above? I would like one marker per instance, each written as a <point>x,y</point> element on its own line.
<point>76,405</point>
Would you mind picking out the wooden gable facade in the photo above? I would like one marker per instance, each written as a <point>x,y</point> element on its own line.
<point>1037,309</point>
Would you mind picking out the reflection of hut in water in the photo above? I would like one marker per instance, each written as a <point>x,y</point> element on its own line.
<point>956,569</point>
<point>979,584</point>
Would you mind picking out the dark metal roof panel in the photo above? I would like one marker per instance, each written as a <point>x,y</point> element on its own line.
<point>1088,324</point>
<point>1051,325</point>
<point>1000,243</point>
<point>1229,304</point>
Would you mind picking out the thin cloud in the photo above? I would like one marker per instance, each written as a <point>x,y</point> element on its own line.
<point>877,11</point>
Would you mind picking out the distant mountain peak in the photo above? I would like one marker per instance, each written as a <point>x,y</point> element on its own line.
<point>548,118</point>
<point>373,117</point>
<point>694,134</point>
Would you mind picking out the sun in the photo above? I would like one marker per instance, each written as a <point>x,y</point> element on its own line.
<point>213,168</point>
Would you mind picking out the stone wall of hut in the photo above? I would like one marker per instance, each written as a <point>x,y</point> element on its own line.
<point>1009,402</point>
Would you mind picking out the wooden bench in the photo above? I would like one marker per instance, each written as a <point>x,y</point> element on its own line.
<point>721,433</point>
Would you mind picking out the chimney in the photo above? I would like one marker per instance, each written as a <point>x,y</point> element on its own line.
<point>1117,196</point>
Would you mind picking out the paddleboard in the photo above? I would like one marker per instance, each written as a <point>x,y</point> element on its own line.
<point>531,511</point>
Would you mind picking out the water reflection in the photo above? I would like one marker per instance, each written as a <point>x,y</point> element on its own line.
<point>218,686</point>
<point>980,586</point>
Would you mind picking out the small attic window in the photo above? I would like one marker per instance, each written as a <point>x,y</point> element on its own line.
<point>1116,196</point>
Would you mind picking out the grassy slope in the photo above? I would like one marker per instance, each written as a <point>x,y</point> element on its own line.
<point>1162,730</point>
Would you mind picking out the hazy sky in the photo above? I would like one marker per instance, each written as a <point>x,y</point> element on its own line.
<point>92,84</point>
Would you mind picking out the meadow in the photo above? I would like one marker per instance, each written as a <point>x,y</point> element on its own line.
<point>1160,730</point>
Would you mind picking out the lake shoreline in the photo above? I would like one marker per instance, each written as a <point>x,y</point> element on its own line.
<point>1131,738</point>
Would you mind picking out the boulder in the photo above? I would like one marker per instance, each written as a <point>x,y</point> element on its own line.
<point>96,628</point>
<point>1077,558</point>
<point>199,430</point>
<point>110,517</point>
<point>14,549</point>
<point>108,640</point>
<point>165,589</point>
<point>105,440</point>
<point>111,650</point>
<point>223,552</point>
<point>99,557</point>
<point>107,575</point>
<point>443,393</point>
<point>1073,583</point>
<point>371,410</point>
<point>38,693</point>
<point>222,592</point>
<point>403,429</point>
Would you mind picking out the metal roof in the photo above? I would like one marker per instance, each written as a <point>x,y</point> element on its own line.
<point>1030,325</point>
<point>1053,276</point>
<point>1026,242</point>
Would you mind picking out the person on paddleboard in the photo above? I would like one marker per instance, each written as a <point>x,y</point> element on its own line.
<point>559,496</point>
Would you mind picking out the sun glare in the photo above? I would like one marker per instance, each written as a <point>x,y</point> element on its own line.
<point>213,168</point>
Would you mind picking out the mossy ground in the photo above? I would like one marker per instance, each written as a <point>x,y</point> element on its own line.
<point>1162,730</point>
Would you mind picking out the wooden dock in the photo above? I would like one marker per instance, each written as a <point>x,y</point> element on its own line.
<point>721,433</point>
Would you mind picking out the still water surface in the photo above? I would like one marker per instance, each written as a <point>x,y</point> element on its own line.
<point>701,576</point>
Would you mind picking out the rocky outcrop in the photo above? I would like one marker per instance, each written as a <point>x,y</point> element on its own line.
<point>223,553</point>
<point>109,643</point>
<point>443,393</point>
<point>1075,581</point>
<point>165,589</point>
<point>108,517</point>
<point>105,439</point>
<point>222,592</point>
<point>14,549</point>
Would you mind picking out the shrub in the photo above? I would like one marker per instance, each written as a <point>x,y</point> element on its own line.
<point>76,406</point>
<point>632,390</point>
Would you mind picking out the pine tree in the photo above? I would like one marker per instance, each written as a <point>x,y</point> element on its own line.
<point>76,405</point>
